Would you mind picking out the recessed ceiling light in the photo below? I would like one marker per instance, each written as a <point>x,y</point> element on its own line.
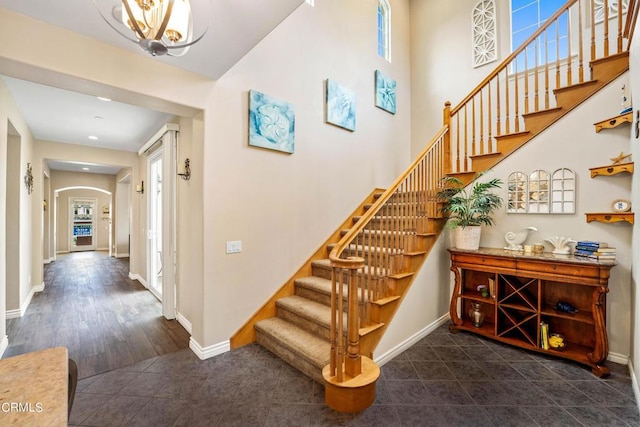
<point>98,117</point>
<point>93,137</point>
<point>102,98</point>
<point>85,169</point>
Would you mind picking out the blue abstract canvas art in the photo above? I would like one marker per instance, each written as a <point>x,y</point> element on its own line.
<point>341,106</point>
<point>271,122</point>
<point>385,92</point>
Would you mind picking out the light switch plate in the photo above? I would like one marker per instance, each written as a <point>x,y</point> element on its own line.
<point>234,247</point>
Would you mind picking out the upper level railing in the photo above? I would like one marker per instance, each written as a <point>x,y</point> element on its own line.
<point>557,55</point>
<point>373,253</point>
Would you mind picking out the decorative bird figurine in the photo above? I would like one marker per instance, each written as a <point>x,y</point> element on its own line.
<point>517,238</point>
<point>560,244</point>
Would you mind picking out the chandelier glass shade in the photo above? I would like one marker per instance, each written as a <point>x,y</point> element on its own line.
<point>159,27</point>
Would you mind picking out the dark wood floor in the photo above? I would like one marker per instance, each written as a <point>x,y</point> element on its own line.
<point>90,306</point>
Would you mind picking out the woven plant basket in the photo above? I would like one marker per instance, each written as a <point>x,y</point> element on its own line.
<point>467,237</point>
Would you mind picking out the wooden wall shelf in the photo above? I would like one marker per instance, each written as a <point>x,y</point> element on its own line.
<point>611,217</point>
<point>612,170</point>
<point>614,121</point>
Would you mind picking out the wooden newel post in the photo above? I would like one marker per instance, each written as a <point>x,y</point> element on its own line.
<point>353,362</point>
<point>446,120</point>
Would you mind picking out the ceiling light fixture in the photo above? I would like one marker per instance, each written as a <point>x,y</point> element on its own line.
<point>93,137</point>
<point>102,98</point>
<point>159,27</point>
<point>85,169</point>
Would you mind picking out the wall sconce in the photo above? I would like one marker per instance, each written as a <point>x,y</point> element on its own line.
<point>140,188</point>
<point>187,171</point>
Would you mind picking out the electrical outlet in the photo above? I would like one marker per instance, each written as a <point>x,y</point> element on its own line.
<point>234,247</point>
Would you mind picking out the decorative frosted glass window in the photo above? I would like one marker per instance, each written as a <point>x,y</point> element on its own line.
<point>484,33</point>
<point>517,193</point>
<point>598,9</point>
<point>563,191</point>
<point>538,195</point>
<point>384,29</point>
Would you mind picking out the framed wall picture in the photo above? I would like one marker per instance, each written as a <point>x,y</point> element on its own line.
<point>385,92</point>
<point>340,105</point>
<point>271,123</point>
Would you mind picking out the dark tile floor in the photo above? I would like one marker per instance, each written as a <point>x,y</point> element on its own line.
<point>445,379</point>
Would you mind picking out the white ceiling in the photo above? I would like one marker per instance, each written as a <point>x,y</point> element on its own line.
<point>69,117</point>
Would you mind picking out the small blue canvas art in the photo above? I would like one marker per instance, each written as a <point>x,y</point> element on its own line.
<point>341,106</point>
<point>385,92</point>
<point>271,122</point>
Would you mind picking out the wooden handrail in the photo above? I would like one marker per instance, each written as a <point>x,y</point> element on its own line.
<point>630,24</point>
<point>513,55</point>
<point>334,256</point>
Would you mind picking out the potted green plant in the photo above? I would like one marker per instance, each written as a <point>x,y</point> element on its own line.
<point>469,208</point>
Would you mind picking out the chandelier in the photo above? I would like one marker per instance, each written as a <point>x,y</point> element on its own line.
<point>159,27</point>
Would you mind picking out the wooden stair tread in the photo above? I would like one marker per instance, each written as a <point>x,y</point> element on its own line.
<point>575,86</point>
<point>309,346</point>
<point>369,249</point>
<point>326,264</point>
<point>541,112</point>
<point>385,301</point>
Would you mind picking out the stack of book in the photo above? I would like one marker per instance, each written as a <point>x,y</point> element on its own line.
<point>595,250</point>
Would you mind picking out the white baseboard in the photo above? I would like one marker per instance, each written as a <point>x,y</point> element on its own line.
<point>63,252</point>
<point>3,345</point>
<point>19,312</point>
<point>184,322</point>
<point>210,351</point>
<point>139,278</point>
<point>618,358</point>
<point>103,249</point>
<point>122,255</point>
<point>634,384</point>
<point>409,342</point>
<point>48,261</point>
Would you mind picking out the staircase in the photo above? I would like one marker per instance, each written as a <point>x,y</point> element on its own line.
<point>328,318</point>
<point>301,330</point>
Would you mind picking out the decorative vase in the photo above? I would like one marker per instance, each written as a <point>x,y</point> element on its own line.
<point>476,315</point>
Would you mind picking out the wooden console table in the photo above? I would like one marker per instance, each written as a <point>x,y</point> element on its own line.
<point>527,288</point>
<point>34,388</point>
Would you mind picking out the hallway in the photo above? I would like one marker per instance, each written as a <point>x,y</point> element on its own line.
<point>90,306</point>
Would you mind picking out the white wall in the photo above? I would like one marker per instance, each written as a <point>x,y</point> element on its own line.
<point>9,113</point>
<point>63,227</point>
<point>441,70</point>
<point>558,147</point>
<point>120,214</point>
<point>283,206</point>
<point>61,179</point>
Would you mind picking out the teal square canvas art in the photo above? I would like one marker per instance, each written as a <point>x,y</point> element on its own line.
<point>341,106</point>
<point>271,122</point>
<point>385,92</point>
